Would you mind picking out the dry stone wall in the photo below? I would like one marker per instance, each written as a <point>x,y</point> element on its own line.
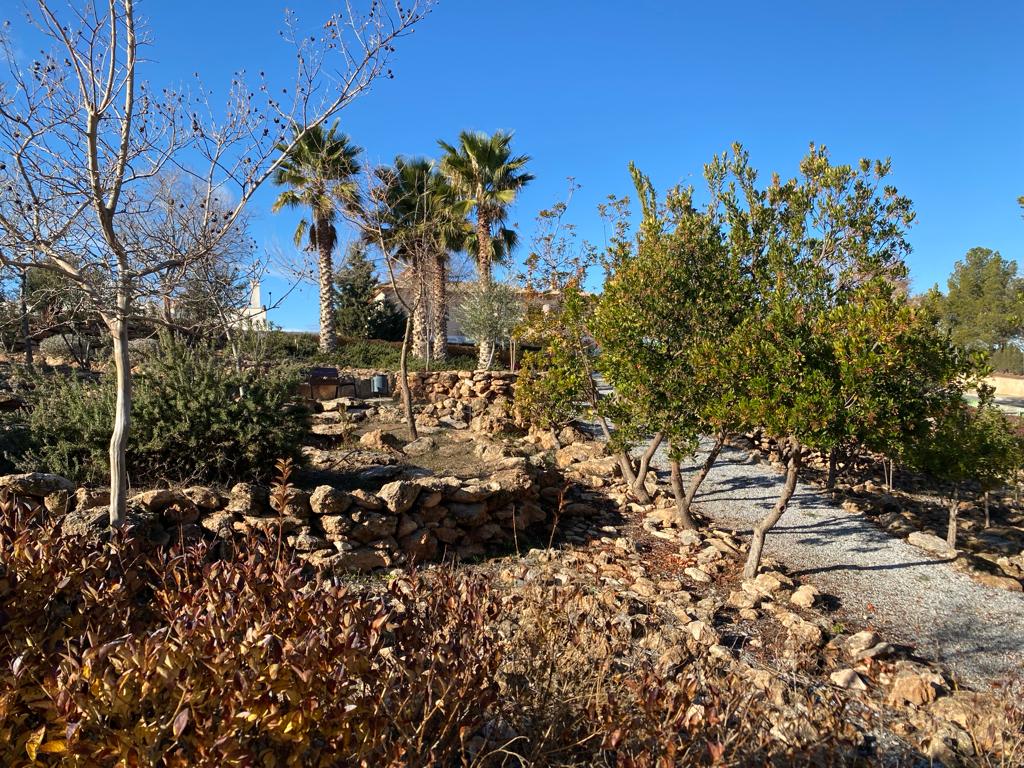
<point>410,520</point>
<point>481,400</point>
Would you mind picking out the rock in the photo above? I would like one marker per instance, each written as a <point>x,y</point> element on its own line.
<point>860,642</point>
<point>702,633</point>
<point>804,596</point>
<point>406,525</point>
<point>366,500</point>
<point>361,559</point>
<point>420,546</point>
<point>155,500</point>
<point>877,651</point>
<point>916,688</point>
<point>248,499</point>
<point>37,484</point>
<point>379,440</point>
<point>399,496</point>
<point>420,446</point>
<point>998,582</point>
<point>326,500</point>
<point>90,498</point>
<point>182,511</point>
<point>929,542</point>
<point>696,574</point>
<point>204,498</point>
<point>372,526</point>
<point>336,526</point>
<point>848,679</point>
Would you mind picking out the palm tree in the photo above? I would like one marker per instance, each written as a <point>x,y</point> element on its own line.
<point>320,173</point>
<point>420,221</point>
<point>485,173</point>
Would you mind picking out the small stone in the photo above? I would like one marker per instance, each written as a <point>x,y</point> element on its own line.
<point>326,500</point>
<point>916,688</point>
<point>696,574</point>
<point>848,679</point>
<point>804,596</point>
<point>860,642</point>
<point>379,440</point>
<point>702,633</point>
<point>399,496</point>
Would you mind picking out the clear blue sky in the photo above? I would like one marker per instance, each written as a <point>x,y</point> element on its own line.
<point>589,86</point>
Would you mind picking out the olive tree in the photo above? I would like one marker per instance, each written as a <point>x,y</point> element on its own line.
<point>82,133</point>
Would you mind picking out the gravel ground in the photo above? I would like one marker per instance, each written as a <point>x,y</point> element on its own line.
<point>915,599</point>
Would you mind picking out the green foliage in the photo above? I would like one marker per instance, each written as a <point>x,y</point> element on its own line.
<point>193,418</point>
<point>675,286</point>
<point>1008,359</point>
<point>490,311</point>
<point>965,443</point>
<point>555,384</point>
<point>983,307</point>
<point>358,314</point>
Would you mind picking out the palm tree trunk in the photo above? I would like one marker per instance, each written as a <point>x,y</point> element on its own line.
<point>439,307</point>
<point>420,316</point>
<point>485,347</point>
<point>328,322</point>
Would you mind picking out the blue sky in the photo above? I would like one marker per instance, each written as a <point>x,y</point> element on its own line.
<point>589,86</point>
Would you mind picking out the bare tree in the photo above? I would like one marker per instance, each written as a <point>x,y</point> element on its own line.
<point>81,134</point>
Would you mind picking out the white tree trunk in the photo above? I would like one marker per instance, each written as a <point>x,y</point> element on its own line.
<point>122,423</point>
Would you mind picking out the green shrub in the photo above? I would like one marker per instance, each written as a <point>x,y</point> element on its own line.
<point>193,418</point>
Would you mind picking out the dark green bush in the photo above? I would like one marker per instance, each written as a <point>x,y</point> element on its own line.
<point>193,418</point>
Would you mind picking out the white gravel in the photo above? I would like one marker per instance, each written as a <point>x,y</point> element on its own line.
<point>977,631</point>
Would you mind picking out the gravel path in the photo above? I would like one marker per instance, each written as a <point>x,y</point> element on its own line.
<point>920,601</point>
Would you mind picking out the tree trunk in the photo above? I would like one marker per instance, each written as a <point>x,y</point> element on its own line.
<point>638,486</point>
<point>702,473</point>
<point>26,333</point>
<point>403,380</point>
<point>954,510</point>
<point>328,323</point>
<point>122,422</point>
<point>988,519</point>
<point>485,347</point>
<point>439,307</point>
<point>683,519</point>
<point>833,466</point>
<point>625,462</point>
<point>770,520</point>
<point>420,319</point>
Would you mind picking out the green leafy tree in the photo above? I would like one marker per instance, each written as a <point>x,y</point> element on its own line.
<point>827,241</point>
<point>676,285</point>
<point>320,171</point>
<point>487,176</point>
<point>982,307</point>
<point>965,443</point>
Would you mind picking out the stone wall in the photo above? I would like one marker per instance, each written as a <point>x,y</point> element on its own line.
<point>481,400</point>
<point>405,521</point>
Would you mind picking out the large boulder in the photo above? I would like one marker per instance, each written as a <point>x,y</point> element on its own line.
<point>372,526</point>
<point>248,499</point>
<point>37,484</point>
